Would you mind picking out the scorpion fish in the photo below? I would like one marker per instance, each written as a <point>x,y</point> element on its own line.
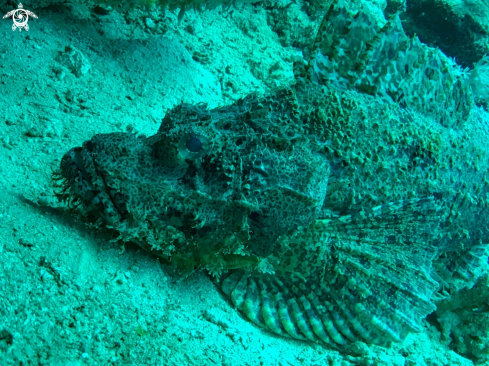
<point>293,202</point>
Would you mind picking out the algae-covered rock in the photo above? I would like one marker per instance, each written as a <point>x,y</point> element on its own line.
<point>464,319</point>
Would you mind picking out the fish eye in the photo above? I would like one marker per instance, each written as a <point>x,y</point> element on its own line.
<point>193,144</point>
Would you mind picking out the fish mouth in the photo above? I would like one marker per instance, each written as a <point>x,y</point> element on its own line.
<point>84,183</point>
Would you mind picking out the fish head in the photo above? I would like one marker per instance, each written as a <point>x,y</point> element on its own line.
<point>222,183</point>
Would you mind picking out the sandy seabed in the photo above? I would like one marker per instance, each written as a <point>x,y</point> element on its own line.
<point>68,295</point>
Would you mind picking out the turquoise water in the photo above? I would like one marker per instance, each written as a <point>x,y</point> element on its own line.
<point>268,183</point>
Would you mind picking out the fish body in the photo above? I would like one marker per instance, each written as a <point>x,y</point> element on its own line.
<point>323,213</point>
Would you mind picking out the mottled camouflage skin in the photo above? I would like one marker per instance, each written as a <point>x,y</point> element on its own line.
<point>324,214</point>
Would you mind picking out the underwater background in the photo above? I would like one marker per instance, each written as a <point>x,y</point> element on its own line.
<point>69,295</point>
